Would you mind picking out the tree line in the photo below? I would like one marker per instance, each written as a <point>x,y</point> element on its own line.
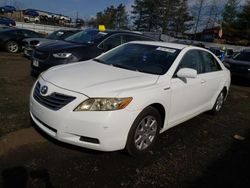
<point>178,17</point>
<point>236,21</point>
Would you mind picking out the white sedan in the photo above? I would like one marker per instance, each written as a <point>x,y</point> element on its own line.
<point>124,98</point>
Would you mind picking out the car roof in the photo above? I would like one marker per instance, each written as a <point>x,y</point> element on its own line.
<point>163,44</point>
<point>110,32</point>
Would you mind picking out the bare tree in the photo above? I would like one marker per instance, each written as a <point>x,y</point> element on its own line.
<point>200,6</point>
<point>212,14</point>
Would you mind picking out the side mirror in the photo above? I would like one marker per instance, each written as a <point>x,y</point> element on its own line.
<point>187,73</point>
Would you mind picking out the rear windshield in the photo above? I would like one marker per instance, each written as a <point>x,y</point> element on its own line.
<point>86,36</point>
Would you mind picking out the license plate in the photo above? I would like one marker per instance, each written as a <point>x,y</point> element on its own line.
<point>36,63</point>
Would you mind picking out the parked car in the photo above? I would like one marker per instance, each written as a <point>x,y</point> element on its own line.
<point>239,65</point>
<point>127,96</point>
<point>81,46</point>
<point>31,12</point>
<point>7,8</point>
<point>7,21</point>
<point>30,44</point>
<point>189,42</point>
<point>32,19</point>
<point>11,39</point>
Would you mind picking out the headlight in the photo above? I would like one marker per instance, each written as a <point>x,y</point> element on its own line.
<point>62,55</point>
<point>103,104</point>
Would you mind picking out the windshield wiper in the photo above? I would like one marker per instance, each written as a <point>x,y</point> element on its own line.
<point>123,67</point>
<point>99,61</point>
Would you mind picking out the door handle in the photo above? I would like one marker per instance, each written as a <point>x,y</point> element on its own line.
<point>203,81</point>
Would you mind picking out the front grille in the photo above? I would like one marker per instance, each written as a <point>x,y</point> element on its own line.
<point>54,101</point>
<point>41,54</point>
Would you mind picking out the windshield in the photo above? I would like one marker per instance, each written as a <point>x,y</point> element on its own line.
<point>140,57</point>
<point>55,35</point>
<point>242,56</point>
<point>86,36</point>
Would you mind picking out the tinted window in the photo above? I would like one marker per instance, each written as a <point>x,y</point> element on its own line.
<point>243,56</point>
<point>191,60</point>
<point>112,42</point>
<point>128,38</point>
<point>86,36</point>
<point>210,64</point>
<point>139,57</point>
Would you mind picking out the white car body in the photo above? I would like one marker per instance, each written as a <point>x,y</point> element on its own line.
<point>181,100</point>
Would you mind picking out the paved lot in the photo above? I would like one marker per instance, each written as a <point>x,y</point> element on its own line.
<point>199,153</point>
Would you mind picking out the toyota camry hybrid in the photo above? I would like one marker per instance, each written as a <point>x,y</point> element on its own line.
<point>125,97</point>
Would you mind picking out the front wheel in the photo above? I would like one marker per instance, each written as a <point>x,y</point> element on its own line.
<point>144,132</point>
<point>12,47</point>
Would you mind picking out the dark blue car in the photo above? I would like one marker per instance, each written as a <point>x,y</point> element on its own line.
<point>6,21</point>
<point>7,8</point>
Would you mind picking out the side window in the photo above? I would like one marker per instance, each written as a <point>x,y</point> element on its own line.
<point>210,64</point>
<point>191,60</point>
<point>111,42</point>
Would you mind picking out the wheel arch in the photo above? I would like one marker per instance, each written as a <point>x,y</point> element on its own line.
<point>162,111</point>
<point>225,91</point>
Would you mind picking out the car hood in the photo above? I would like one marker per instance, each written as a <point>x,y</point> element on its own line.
<point>36,39</point>
<point>60,46</point>
<point>97,80</point>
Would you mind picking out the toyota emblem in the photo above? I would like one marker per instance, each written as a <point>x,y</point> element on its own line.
<point>44,90</point>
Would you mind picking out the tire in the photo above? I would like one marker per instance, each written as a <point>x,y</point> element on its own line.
<point>142,138</point>
<point>218,103</point>
<point>12,46</point>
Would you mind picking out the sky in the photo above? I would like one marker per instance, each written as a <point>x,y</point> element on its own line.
<point>85,8</point>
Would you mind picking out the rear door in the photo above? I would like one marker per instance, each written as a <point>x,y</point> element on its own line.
<point>212,76</point>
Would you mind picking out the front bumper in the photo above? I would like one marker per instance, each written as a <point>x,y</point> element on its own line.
<point>43,65</point>
<point>28,52</point>
<point>110,128</point>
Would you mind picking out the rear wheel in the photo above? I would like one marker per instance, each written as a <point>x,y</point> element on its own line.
<point>144,132</point>
<point>12,47</point>
<point>219,102</point>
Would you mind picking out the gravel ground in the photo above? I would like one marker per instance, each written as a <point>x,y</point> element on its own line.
<point>201,152</point>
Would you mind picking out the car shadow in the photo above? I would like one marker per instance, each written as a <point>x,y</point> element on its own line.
<point>20,176</point>
<point>240,81</point>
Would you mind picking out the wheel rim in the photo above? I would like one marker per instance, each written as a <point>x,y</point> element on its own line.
<point>12,47</point>
<point>145,132</point>
<point>219,102</point>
